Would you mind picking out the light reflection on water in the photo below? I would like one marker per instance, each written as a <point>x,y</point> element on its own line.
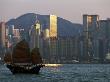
<point>64,73</point>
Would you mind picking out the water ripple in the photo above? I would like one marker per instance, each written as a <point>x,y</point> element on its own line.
<point>65,73</point>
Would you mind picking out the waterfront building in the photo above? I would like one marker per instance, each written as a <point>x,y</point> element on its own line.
<point>35,35</point>
<point>104,36</point>
<point>52,41</point>
<point>96,43</point>
<point>2,34</point>
<point>53,26</point>
<point>13,35</point>
<point>2,39</point>
<point>91,26</point>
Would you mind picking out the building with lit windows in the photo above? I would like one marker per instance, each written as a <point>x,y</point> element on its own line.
<point>53,26</point>
<point>52,41</point>
<point>13,35</point>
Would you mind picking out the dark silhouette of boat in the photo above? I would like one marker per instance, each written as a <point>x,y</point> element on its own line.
<point>21,60</point>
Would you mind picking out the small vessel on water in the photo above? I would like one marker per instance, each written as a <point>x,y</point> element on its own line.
<point>21,60</point>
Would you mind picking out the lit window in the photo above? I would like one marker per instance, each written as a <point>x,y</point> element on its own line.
<point>89,19</point>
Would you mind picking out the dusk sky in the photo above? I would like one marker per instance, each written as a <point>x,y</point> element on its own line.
<point>68,9</point>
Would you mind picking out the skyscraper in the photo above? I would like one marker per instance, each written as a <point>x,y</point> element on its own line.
<point>104,39</point>
<point>53,38</point>
<point>90,24</point>
<point>35,35</point>
<point>50,38</point>
<point>2,38</point>
<point>53,26</point>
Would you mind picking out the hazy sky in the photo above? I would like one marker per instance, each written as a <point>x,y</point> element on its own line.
<point>68,9</point>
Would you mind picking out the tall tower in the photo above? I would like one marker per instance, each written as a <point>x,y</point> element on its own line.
<point>35,35</point>
<point>53,26</point>
<point>90,24</point>
<point>2,38</point>
<point>2,33</point>
<point>37,28</point>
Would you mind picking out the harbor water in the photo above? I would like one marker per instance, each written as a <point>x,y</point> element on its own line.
<point>63,73</point>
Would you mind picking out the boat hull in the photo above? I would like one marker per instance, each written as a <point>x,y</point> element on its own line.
<point>16,69</point>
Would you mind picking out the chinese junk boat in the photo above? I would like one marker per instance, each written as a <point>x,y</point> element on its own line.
<point>22,60</point>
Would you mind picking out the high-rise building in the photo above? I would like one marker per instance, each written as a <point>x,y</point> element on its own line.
<point>13,35</point>
<point>104,36</point>
<point>38,33</point>
<point>2,38</point>
<point>53,26</point>
<point>96,38</point>
<point>2,33</point>
<point>91,25</point>
<point>52,41</point>
<point>35,35</point>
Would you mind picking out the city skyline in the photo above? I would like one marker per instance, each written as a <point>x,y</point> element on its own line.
<point>70,10</point>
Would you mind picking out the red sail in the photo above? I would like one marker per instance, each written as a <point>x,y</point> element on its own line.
<point>21,53</point>
<point>36,58</point>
